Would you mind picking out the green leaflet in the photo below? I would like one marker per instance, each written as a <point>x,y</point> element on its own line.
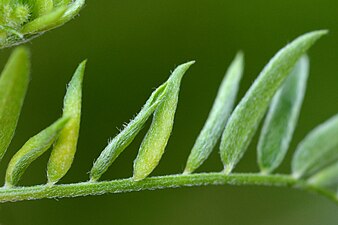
<point>328,177</point>
<point>156,139</point>
<point>317,150</point>
<point>127,135</point>
<point>61,15</point>
<point>282,118</point>
<point>13,86</point>
<point>246,117</point>
<point>64,149</point>
<point>218,116</point>
<point>31,150</point>
<point>44,22</point>
<point>42,7</point>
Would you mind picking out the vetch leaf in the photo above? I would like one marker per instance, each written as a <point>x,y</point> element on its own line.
<point>127,135</point>
<point>218,116</point>
<point>63,153</point>
<point>44,22</point>
<point>13,87</point>
<point>156,139</point>
<point>31,150</point>
<point>282,118</point>
<point>318,149</point>
<point>248,114</point>
<point>327,177</point>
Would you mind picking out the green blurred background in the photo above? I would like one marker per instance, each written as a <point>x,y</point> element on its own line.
<point>132,46</point>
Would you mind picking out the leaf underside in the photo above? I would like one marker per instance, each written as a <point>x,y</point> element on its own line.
<point>282,118</point>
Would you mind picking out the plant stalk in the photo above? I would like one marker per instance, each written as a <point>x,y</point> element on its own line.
<point>154,183</point>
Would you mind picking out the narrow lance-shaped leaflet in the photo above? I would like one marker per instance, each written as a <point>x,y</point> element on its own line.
<point>127,135</point>
<point>282,118</point>
<point>63,12</point>
<point>246,117</point>
<point>45,22</point>
<point>64,150</point>
<point>318,149</point>
<point>31,150</point>
<point>156,139</point>
<point>13,87</point>
<point>218,116</point>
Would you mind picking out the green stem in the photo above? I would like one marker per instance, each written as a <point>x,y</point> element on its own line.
<point>161,182</point>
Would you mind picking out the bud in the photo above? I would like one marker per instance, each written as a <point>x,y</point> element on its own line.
<point>21,21</point>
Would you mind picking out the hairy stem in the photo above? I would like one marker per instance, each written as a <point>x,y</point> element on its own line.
<point>161,182</point>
